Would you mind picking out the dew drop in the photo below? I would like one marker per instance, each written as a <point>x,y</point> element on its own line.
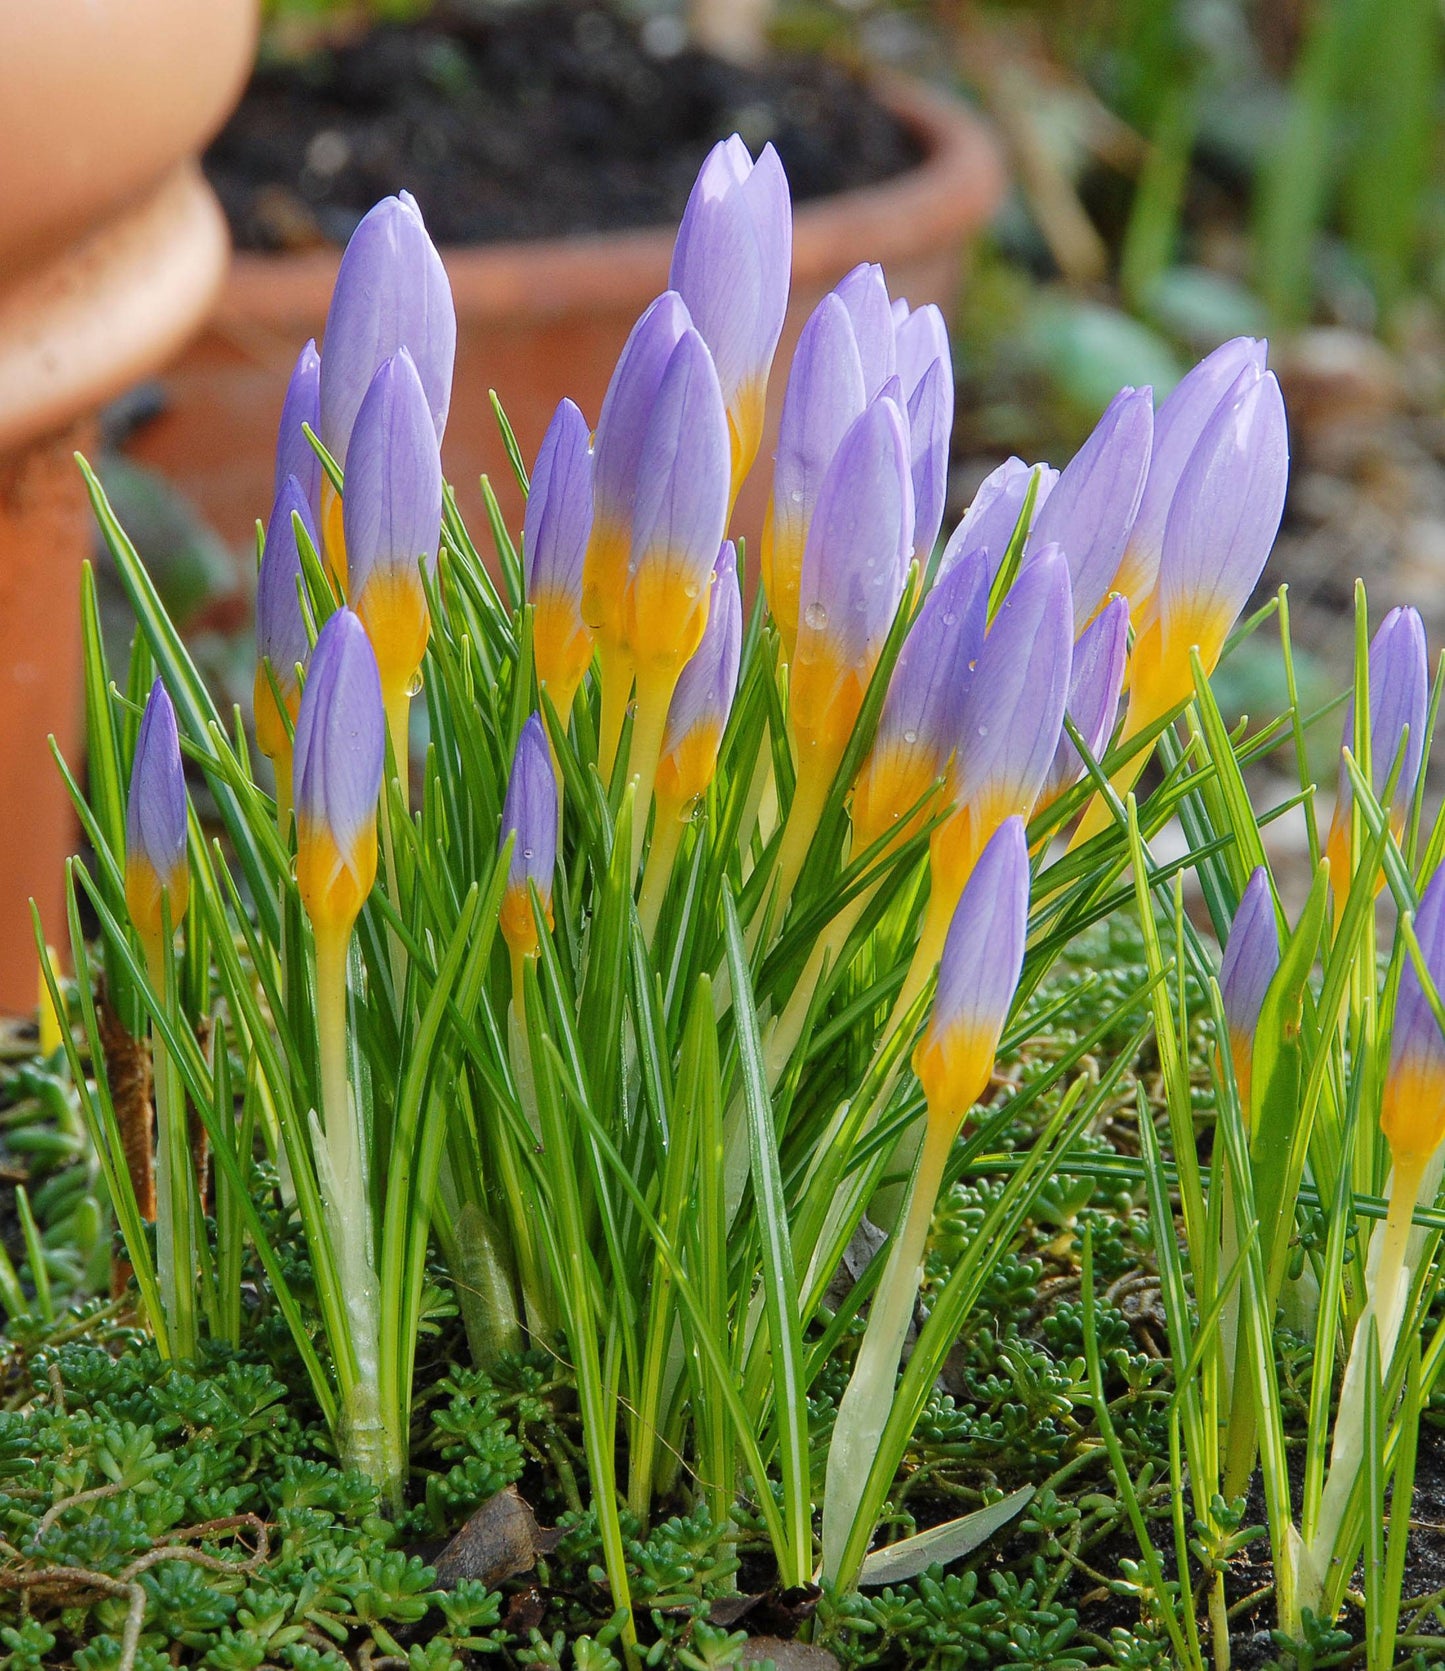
<point>796,496</point>
<point>910,737</point>
<point>950,619</point>
<point>816,615</point>
<point>526,852</point>
<point>414,684</point>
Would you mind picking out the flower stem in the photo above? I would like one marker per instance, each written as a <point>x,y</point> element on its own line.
<point>615,667</point>
<point>654,693</point>
<point>175,1227</point>
<point>398,726</point>
<point>667,831</point>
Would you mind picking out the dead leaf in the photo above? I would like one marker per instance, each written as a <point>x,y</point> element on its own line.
<point>500,1540</point>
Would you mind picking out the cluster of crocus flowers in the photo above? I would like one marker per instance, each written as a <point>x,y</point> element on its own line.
<point>979,972</point>
<point>157,892</point>
<point>1251,960</point>
<point>1399,693</point>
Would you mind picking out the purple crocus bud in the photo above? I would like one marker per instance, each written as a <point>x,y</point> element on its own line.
<point>732,265</point>
<point>393,515</point>
<point>1011,717</point>
<point>529,814</point>
<point>990,521</point>
<point>919,725</point>
<point>1412,1115</point>
<point>680,513</point>
<point>1399,677</point>
<point>1178,424</point>
<point>703,699</point>
<point>978,974</point>
<point>339,752</point>
<point>155,821</point>
<point>1221,525</point>
<point>295,456</point>
<point>864,292</point>
<point>854,567</point>
<point>554,548</point>
<point>1250,960</point>
<point>281,641</point>
<point>1095,682</point>
<point>925,373</point>
<point>616,453</point>
<point>1091,509</point>
<point>824,395</point>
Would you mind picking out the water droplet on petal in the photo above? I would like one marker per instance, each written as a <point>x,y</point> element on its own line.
<point>950,619</point>
<point>910,737</point>
<point>816,615</point>
<point>414,684</point>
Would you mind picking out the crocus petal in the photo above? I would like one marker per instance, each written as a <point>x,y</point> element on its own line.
<point>930,428</point>
<point>1178,424</point>
<point>681,510</point>
<point>864,292</point>
<point>529,813</point>
<point>339,751</point>
<point>295,456</point>
<point>921,340</point>
<point>1091,509</point>
<point>919,725</point>
<point>853,573</point>
<point>732,265</point>
<point>703,699</point>
<point>1251,956</point>
<point>1095,682</point>
<point>554,549</point>
<point>393,503</point>
<point>391,292</point>
<point>1413,1113</point>
<point>281,637</point>
<point>155,818</point>
<point>978,975</point>
<point>991,519</point>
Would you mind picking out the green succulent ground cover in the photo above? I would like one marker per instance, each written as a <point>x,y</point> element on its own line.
<point>157,1516</point>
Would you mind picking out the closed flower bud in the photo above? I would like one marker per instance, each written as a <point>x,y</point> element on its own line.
<point>680,513</point>
<point>281,641</point>
<point>529,815</point>
<point>925,373</point>
<point>295,456</point>
<point>864,292</point>
<point>922,713</point>
<point>852,578</point>
<point>1412,1116</point>
<point>1399,678</point>
<point>340,748</point>
<point>1178,424</point>
<point>1251,959</point>
<point>1095,682</point>
<point>703,699</point>
<point>393,513</point>
<point>155,821</point>
<point>824,396</point>
<point>1091,509</point>
<point>554,549</point>
<point>978,974</point>
<point>990,521</point>
<point>732,265</point>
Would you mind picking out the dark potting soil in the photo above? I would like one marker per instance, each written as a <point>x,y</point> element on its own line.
<point>527,122</point>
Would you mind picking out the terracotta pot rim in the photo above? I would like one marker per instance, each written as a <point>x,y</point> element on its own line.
<point>955,188</point>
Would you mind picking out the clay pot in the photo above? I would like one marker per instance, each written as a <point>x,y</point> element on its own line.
<point>540,320</point>
<point>112,248</point>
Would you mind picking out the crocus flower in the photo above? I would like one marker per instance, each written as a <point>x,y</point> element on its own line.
<point>1251,958</point>
<point>529,814</point>
<point>295,456</point>
<point>155,821</point>
<point>391,292</point>
<point>1010,722</point>
<point>990,521</point>
<point>852,577</point>
<point>978,973</point>
<point>1095,682</point>
<point>1412,1116</point>
<point>704,695</point>
<point>1091,508</point>
<point>1399,680</point>
<point>393,514</point>
<point>921,718</point>
<point>864,292</point>
<point>680,513</point>
<point>824,395</point>
<point>925,373</point>
<point>1221,524</point>
<point>732,264</point>
<point>340,748</point>
<point>554,548</point>
<point>1178,425</point>
<point>281,641</point>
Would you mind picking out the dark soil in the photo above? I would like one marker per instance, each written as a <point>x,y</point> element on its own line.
<point>527,123</point>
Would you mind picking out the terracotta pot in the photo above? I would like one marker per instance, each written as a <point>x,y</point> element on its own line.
<point>543,319</point>
<point>112,247</point>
